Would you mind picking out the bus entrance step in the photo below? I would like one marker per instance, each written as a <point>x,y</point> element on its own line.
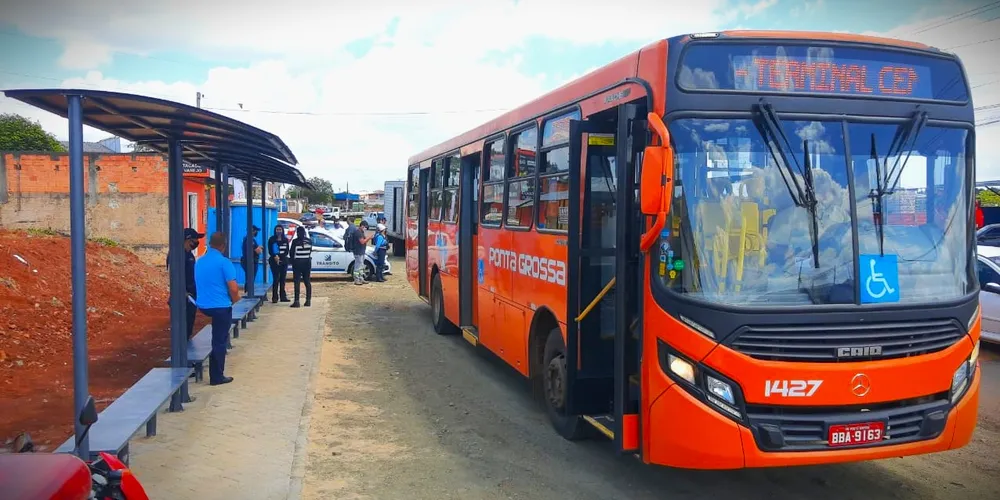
<point>471,334</point>
<point>603,423</point>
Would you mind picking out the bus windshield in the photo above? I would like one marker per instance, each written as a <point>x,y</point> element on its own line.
<point>740,234</point>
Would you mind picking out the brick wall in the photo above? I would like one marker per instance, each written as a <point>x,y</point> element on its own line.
<point>126,197</point>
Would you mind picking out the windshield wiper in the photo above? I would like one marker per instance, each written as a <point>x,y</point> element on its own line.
<point>886,180</point>
<point>803,194</point>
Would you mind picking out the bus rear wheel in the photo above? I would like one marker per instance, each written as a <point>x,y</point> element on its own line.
<point>554,390</point>
<point>441,324</point>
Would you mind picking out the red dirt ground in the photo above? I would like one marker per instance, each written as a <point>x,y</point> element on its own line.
<point>128,330</point>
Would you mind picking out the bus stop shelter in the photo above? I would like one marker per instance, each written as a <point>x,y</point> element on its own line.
<point>187,135</point>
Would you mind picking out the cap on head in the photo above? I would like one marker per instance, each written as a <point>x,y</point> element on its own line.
<point>380,227</point>
<point>191,234</point>
<point>255,229</point>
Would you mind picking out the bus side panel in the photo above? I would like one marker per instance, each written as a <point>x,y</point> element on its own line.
<point>448,265</point>
<point>539,279</point>
<point>489,282</point>
<point>435,247</point>
<point>412,254</point>
<point>514,346</point>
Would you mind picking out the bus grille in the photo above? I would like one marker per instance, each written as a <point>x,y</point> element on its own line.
<point>824,343</point>
<point>783,428</point>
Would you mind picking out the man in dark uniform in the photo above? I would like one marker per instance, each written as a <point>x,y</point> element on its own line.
<point>191,242</point>
<point>300,251</point>
<point>277,246</point>
<point>256,251</point>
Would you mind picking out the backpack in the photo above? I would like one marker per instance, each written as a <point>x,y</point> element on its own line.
<point>349,238</point>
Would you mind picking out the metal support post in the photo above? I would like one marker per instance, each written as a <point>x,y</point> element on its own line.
<point>78,262</point>
<point>178,279</point>
<point>248,247</point>
<point>264,235</point>
<point>226,226</point>
<point>219,193</point>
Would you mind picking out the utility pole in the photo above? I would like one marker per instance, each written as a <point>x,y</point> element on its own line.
<point>198,96</point>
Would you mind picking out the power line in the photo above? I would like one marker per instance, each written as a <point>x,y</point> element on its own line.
<point>972,44</point>
<point>361,113</point>
<point>956,17</point>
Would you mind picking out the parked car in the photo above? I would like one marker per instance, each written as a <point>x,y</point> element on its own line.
<point>309,219</point>
<point>988,267</point>
<point>330,258</point>
<point>988,235</point>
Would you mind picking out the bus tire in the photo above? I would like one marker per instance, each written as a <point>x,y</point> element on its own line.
<point>441,324</point>
<point>570,427</point>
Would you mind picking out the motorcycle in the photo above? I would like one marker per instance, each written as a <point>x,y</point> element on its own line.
<point>58,476</point>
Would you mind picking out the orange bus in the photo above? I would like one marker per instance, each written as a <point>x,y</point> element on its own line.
<point>725,250</point>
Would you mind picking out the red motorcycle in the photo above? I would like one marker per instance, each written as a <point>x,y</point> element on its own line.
<point>25,475</point>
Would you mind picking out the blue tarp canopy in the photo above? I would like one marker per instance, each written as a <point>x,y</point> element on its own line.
<point>345,196</point>
<point>209,139</point>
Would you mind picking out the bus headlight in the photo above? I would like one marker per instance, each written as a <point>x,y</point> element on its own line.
<point>963,375</point>
<point>681,368</point>
<point>705,384</point>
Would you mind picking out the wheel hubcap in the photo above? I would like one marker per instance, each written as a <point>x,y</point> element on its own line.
<point>555,376</point>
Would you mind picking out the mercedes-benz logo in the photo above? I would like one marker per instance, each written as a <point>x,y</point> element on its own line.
<point>861,385</point>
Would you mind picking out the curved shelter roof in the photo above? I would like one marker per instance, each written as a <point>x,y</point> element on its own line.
<point>208,139</point>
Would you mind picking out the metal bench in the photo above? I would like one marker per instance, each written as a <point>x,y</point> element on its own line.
<point>198,350</point>
<point>137,406</point>
<point>244,311</point>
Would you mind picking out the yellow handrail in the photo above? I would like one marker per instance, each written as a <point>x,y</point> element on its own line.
<point>607,288</point>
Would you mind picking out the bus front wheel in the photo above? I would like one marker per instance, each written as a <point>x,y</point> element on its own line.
<point>441,324</point>
<point>571,427</point>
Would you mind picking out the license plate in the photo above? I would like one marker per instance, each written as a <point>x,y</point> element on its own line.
<point>856,434</point>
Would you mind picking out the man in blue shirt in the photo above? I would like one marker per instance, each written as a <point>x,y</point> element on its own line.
<point>217,292</point>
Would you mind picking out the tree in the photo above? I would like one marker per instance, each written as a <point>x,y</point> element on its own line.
<point>18,133</point>
<point>322,194</point>
<point>988,198</point>
<point>142,148</point>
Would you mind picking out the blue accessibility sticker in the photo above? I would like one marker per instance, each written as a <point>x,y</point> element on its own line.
<point>665,233</point>
<point>879,275</point>
<point>482,271</point>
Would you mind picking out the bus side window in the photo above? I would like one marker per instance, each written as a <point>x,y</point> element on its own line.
<point>493,179</point>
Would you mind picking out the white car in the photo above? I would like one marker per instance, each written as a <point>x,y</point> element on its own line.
<point>988,267</point>
<point>330,258</point>
<point>328,255</point>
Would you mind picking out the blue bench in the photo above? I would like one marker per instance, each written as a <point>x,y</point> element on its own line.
<point>137,406</point>
<point>198,349</point>
<point>244,311</point>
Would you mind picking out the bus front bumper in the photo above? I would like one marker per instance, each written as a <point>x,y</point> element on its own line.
<point>686,433</point>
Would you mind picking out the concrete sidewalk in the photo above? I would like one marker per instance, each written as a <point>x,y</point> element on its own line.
<point>246,439</point>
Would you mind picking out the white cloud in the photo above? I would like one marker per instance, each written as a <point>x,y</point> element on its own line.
<point>965,38</point>
<point>426,57</point>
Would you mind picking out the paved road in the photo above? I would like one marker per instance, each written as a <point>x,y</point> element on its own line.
<point>400,412</point>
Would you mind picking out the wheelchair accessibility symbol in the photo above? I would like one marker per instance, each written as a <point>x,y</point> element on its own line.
<point>879,279</point>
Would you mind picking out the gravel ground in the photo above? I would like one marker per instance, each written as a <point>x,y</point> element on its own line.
<point>400,412</point>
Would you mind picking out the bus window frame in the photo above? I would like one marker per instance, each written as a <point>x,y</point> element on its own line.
<point>432,189</point>
<point>510,147</point>
<point>736,315</point>
<point>457,188</point>
<point>675,81</point>
<point>484,167</point>
<point>412,172</point>
<point>559,113</point>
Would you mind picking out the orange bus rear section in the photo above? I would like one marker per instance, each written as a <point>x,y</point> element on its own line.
<point>519,299</point>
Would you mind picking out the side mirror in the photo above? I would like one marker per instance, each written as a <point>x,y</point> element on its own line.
<point>992,287</point>
<point>656,183</point>
<point>88,415</point>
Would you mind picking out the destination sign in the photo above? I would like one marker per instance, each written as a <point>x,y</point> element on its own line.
<point>839,76</point>
<point>840,70</point>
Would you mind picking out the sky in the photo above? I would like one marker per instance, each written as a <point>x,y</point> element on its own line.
<point>356,88</point>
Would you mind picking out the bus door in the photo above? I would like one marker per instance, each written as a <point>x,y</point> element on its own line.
<point>591,267</point>
<point>468,245</point>
<point>603,274</point>
<point>422,232</point>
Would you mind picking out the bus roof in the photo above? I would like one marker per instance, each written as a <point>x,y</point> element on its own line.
<point>619,70</point>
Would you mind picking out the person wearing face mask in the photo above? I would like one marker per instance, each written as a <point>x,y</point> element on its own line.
<point>191,242</point>
<point>277,247</point>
